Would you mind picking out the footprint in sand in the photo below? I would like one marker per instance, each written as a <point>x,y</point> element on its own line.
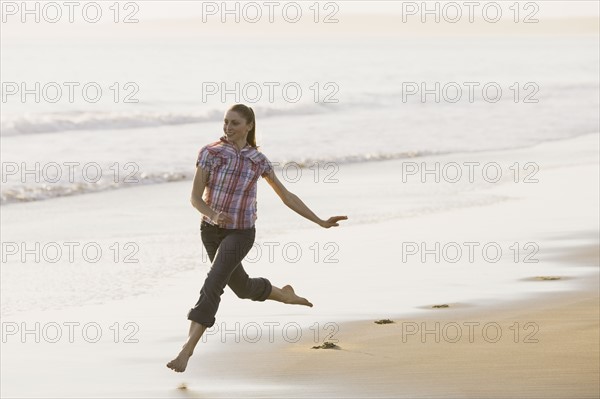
<point>326,345</point>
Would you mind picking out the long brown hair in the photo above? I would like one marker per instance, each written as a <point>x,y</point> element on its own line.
<point>248,114</point>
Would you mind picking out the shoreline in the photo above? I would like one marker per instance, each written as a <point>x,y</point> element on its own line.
<point>390,360</point>
<point>139,309</point>
<point>474,354</point>
<point>543,346</point>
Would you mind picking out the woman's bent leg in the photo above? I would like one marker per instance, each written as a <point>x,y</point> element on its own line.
<point>256,289</point>
<point>232,249</point>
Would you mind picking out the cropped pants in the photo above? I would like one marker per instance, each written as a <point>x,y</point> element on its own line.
<point>226,248</point>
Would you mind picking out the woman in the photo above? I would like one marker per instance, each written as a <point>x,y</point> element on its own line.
<point>228,170</point>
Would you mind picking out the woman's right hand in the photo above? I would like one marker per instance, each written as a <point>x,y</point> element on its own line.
<point>221,219</point>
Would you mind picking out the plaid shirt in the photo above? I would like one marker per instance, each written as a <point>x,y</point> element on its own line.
<point>231,186</point>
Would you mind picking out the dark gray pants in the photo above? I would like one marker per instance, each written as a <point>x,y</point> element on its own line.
<point>226,248</point>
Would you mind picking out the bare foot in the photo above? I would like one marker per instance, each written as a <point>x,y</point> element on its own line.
<point>290,297</point>
<point>180,362</point>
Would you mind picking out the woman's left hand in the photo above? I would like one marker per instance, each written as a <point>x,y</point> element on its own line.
<point>332,221</point>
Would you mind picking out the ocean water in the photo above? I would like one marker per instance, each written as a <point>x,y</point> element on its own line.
<point>346,101</point>
<point>66,148</point>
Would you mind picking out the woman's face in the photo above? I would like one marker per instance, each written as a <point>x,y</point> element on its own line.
<point>235,126</point>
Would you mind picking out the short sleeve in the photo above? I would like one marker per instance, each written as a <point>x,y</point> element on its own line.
<point>266,166</point>
<point>204,158</point>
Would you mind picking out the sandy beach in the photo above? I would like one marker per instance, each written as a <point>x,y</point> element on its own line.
<point>461,140</point>
<point>532,349</point>
<point>511,329</point>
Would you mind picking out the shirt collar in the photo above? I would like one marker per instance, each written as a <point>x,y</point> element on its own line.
<point>247,147</point>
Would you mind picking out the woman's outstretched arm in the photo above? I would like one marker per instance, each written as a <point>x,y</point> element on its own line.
<point>296,204</point>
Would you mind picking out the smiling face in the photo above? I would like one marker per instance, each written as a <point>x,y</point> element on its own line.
<point>235,127</point>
